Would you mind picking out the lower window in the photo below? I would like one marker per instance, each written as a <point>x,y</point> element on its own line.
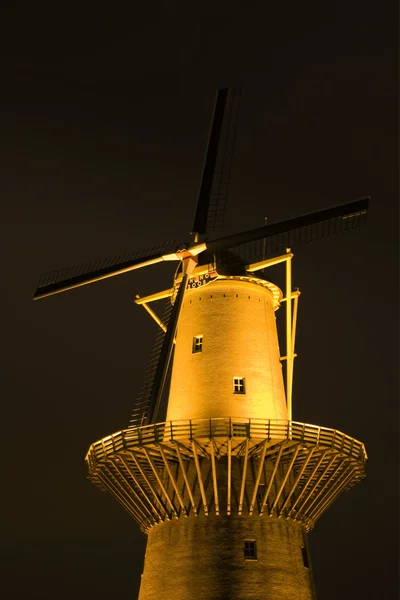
<point>250,549</point>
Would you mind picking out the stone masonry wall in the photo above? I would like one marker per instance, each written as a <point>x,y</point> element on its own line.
<point>203,558</point>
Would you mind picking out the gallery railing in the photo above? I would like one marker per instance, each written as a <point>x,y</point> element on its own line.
<point>227,427</point>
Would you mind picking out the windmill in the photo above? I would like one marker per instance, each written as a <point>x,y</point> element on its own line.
<point>228,450</point>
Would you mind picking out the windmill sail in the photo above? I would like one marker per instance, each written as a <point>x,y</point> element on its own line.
<point>209,217</point>
<point>303,229</point>
<point>249,246</point>
<point>165,354</point>
<point>140,409</point>
<point>218,453</point>
<point>223,165</point>
<point>55,282</point>
<point>150,394</point>
<point>214,186</point>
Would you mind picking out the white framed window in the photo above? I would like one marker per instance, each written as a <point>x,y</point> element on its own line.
<point>197,344</point>
<point>238,385</point>
<point>250,549</point>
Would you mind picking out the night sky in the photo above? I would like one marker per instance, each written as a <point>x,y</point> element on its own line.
<point>104,121</point>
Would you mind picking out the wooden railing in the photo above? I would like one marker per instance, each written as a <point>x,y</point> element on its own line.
<point>228,427</point>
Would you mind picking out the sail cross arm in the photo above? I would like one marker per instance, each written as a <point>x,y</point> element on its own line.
<point>203,201</point>
<point>318,224</point>
<point>63,280</point>
<point>345,217</point>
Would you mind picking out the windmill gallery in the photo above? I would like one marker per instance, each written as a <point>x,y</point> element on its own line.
<point>212,467</point>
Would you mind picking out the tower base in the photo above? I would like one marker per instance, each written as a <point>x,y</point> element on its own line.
<point>210,558</point>
<point>226,502</point>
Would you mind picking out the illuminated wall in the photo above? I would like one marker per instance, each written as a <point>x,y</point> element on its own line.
<point>236,320</point>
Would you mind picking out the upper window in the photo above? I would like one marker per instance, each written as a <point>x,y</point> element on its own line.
<point>238,385</point>
<point>197,344</point>
<point>250,549</point>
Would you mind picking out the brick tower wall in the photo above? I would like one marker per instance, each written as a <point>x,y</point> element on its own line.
<point>204,558</point>
<point>237,321</point>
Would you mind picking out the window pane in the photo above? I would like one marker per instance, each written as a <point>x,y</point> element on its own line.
<point>238,385</point>
<point>250,550</point>
<point>197,344</point>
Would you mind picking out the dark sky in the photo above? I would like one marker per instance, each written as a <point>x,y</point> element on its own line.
<point>104,120</point>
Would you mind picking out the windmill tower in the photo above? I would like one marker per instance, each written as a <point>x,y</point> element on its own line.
<point>225,484</point>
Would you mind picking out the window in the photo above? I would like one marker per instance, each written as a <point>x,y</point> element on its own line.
<point>305,557</point>
<point>197,344</point>
<point>250,549</point>
<point>238,385</point>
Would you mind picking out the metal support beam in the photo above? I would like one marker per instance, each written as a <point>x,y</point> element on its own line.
<point>282,486</point>
<point>293,295</point>
<point>299,476</point>
<point>133,491</point>
<point>146,479</point>
<point>315,469</point>
<point>294,325</point>
<point>271,479</point>
<point>269,262</point>
<point>197,463</point>
<point>319,479</point>
<point>257,482</point>
<point>114,492</point>
<point>346,478</point>
<point>145,494</point>
<point>215,480</point>
<point>168,469</point>
<point>244,474</point>
<point>154,297</point>
<point>185,478</point>
<point>153,315</point>
<point>289,346</point>
<point>126,500</point>
<point>328,481</point>
<point>160,483</point>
